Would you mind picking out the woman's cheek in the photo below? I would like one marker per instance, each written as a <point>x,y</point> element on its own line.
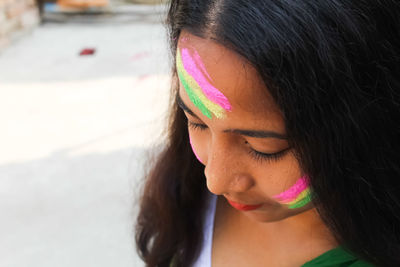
<point>195,147</point>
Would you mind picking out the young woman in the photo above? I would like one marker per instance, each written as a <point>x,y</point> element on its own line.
<point>283,139</point>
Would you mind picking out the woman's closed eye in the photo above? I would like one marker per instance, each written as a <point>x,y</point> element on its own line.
<point>260,156</point>
<point>255,154</point>
<point>197,126</point>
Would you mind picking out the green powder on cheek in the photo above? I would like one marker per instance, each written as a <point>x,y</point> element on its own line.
<point>302,202</point>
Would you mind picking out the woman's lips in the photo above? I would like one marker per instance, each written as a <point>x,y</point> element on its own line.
<point>243,207</point>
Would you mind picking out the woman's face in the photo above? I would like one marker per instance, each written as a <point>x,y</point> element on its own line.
<point>239,137</point>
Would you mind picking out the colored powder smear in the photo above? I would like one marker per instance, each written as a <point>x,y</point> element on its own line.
<point>296,196</point>
<point>196,81</point>
<point>194,151</point>
<point>303,199</point>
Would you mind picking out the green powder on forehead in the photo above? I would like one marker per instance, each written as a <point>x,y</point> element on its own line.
<point>193,97</point>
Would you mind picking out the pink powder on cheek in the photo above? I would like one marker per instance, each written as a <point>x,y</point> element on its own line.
<point>293,191</point>
<point>194,151</point>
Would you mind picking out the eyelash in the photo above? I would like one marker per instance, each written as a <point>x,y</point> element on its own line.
<point>196,126</point>
<point>258,156</point>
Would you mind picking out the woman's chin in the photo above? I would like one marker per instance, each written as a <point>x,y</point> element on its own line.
<point>275,214</point>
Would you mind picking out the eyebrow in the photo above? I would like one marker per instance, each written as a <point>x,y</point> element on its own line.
<point>183,106</point>
<point>249,133</point>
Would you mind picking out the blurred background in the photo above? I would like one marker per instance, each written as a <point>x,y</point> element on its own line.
<point>84,89</point>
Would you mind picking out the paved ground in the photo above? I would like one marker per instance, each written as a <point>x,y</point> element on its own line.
<point>75,133</point>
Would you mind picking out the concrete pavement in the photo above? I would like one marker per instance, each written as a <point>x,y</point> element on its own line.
<point>75,134</point>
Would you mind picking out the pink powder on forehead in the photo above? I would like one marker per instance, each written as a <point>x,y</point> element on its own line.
<point>209,90</point>
<point>200,63</point>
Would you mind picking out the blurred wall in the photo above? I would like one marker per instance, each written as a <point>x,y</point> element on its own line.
<point>17,18</point>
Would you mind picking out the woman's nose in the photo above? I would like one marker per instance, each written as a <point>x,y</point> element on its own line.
<point>224,171</point>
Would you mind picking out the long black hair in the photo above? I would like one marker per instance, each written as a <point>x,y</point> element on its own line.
<point>333,68</point>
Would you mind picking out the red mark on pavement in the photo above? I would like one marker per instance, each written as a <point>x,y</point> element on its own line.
<point>87,52</point>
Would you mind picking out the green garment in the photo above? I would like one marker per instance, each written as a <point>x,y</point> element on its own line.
<point>336,257</point>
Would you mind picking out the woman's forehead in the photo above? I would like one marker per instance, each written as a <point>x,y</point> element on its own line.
<point>231,74</point>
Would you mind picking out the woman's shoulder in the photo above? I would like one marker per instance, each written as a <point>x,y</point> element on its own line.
<point>337,257</point>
